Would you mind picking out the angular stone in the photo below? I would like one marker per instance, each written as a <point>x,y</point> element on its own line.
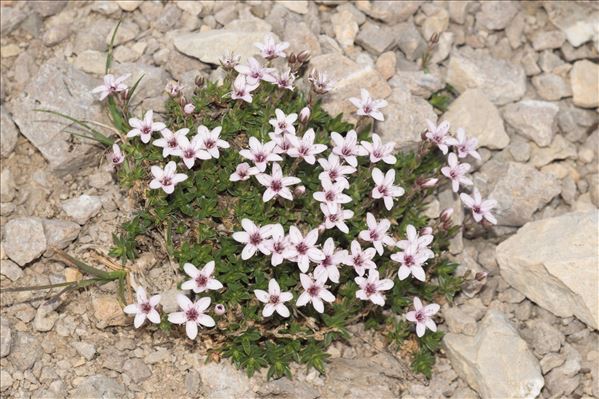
<point>458,11</point>
<point>584,78</point>
<point>551,87</point>
<point>222,380</point>
<point>496,362</point>
<point>389,11</point>
<point>129,5</point>
<point>560,148</point>
<point>152,84</point>
<point>577,20</point>
<point>82,208</point>
<point>349,78</point>
<point>345,27</point>
<point>98,385</point>
<point>137,370</point>
<point>8,138</point>
<point>502,81</point>
<point>436,21</point>
<point>375,39</point>
<point>533,119</point>
<point>543,40</point>
<point>560,256</point>
<point>26,350</point>
<point>10,269</point>
<point>409,40</point>
<point>297,6</point>
<point>127,31</point>
<point>24,240</point>
<point>300,38</point>
<point>11,18</point>
<point>473,111</point>
<point>5,337</point>
<point>496,15</point>
<point>386,64</point>
<point>91,61</point>
<point>7,186</point>
<point>108,312</point>
<point>419,83</point>
<point>85,349</point>
<point>543,336</point>
<point>60,233</point>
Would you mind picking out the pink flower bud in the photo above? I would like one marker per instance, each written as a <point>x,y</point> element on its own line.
<point>304,115</point>
<point>446,214</point>
<point>426,231</point>
<point>299,191</point>
<point>428,183</point>
<point>189,109</point>
<point>219,309</point>
<point>321,228</point>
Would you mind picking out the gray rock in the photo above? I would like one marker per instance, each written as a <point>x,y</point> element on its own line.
<point>10,269</point>
<point>223,381</point>
<point>575,122</point>
<point>520,149</point>
<point>544,337</point>
<point>584,78</point>
<point>153,82</point>
<point>345,27</point>
<point>168,300</point>
<point>543,40</point>
<point>91,61</point>
<point>496,15</point>
<point>533,119</point>
<point>563,380</point>
<point>128,30</point>
<point>576,20</point>
<point>436,21</point>
<point>502,81</point>
<point>495,362</point>
<point>60,233</point>
<point>299,7</point>
<point>85,349</point>
<point>375,39</point>
<point>409,41</point>
<point>45,316</point>
<point>56,34</point>
<point>389,11</point>
<point>473,111</point>
<point>98,385</point>
<point>458,11</point>
<point>192,382</point>
<point>565,280</point>
<point>459,322</point>
<point>420,83</point>
<point>11,17</point>
<point>5,337</point>
<point>137,370</point>
<point>7,186</point>
<point>129,5</point>
<point>551,361</point>
<point>560,148</point>
<point>8,138</point>
<point>549,61</point>
<point>49,7</point>
<point>26,350</point>
<point>24,240</point>
<point>551,86</point>
<point>82,208</point>
<point>169,18</point>
<point>286,388</point>
<point>300,38</point>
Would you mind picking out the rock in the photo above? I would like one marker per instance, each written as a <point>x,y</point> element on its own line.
<point>578,21</point>
<point>192,382</point>
<point>473,111</point>
<point>82,208</point>
<point>533,119</point>
<point>129,5</point>
<point>565,280</point>
<point>128,30</point>
<point>45,316</point>
<point>560,148</point>
<point>375,39</point>
<point>419,83</point>
<point>91,61</point>
<point>70,94</point>
<point>502,81</point>
<point>549,61</point>
<point>575,122</point>
<point>349,78</point>
<point>386,64</point>
<point>496,362</point>
<point>563,380</point>
<point>8,138</point>
<point>26,350</point>
<point>49,7</point>
<point>436,21</point>
<point>137,370</point>
<point>297,6</point>
<point>11,19</point>
<point>543,40</point>
<point>5,380</point>
<point>10,269</point>
<point>5,337</point>
<point>56,34</point>
<point>170,17</point>
<point>209,46</point>
<point>584,78</point>
<point>551,361</point>
<point>345,27</point>
<point>409,41</point>
<point>98,385</point>
<point>459,322</point>
<point>443,48</point>
<point>286,388</point>
<point>496,15</point>
<point>458,11</point>
<point>519,190</point>
<point>19,249</point>
<point>168,300</point>
<point>389,11</point>
<point>223,381</point>
<point>543,336</point>
<point>153,82</point>
<point>300,37</point>
<point>7,186</point>
<point>192,7</point>
<point>160,355</point>
<point>60,233</point>
<point>551,87</point>
<point>85,349</point>
<point>108,312</point>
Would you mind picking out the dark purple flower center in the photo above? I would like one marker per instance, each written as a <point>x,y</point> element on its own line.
<point>304,150</point>
<point>189,153</point>
<point>383,190</point>
<point>476,209</point>
<point>274,299</point>
<point>278,247</point>
<point>330,196</point>
<point>276,185</point>
<point>333,174</point>
<point>327,261</point>
<point>378,154</point>
<point>374,236</point>
<point>367,108</point>
<point>260,157</point>
<point>255,238</point>
<point>192,314</point>
<point>358,260</point>
<point>408,260</point>
<point>346,151</point>
<point>301,248</point>
<point>453,174</point>
<point>146,129</point>
<point>420,316</point>
<point>172,143</point>
<point>166,181</point>
<point>333,218</point>
<point>370,289</point>
<point>313,290</point>
<point>146,307</point>
<point>201,280</point>
<point>209,143</point>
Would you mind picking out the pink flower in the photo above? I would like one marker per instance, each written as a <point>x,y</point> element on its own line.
<point>336,217</point>
<point>210,140</point>
<point>371,287</point>
<point>111,85</point>
<point>421,242</point>
<point>283,143</point>
<point>242,90</point>
<point>321,84</point>
<point>465,146</point>
<point>283,123</point>
<point>255,238</point>
<point>438,135</point>
<point>334,170</point>
<point>189,151</point>
<point>270,49</point>
<point>315,292</point>
<point>422,316</point>
<point>144,308</point>
<point>328,266</point>
<point>384,187</point>
<point>201,280</point>
<point>347,147</point>
<point>480,209</point>
<point>260,153</point>
<point>456,172</point>
<point>411,260</point>
<point>304,115</point>
<point>144,128</point>
<point>360,260</point>
<point>428,183</point>
<point>367,106</point>
<point>189,109</point>
<point>243,172</point>
<point>379,151</point>
<point>229,60</point>
<point>219,309</point>
<point>276,184</point>
<point>173,88</point>
<point>305,147</point>
<point>166,178</point>
<point>274,299</point>
<point>377,233</point>
<point>332,194</point>
<point>170,142</point>
<point>278,244</point>
<point>115,157</point>
<point>283,79</point>
<point>192,315</point>
<point>303,250</point>
<point>254,72</point>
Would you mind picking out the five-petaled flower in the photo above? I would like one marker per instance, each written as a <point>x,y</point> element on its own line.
<point>192,315</point>
<point>456,172</point>
<point>243,171</point>
<point>270,49</point>
<point>274,299</point>
<point>305,147</point>
<point>360,259</point>
<point>328,266</point>
<point>170,141</point>
<point>411,260</point>
<point>336,217</point>
<point>347,147</point>
<point>371,288</point>
<point>201,280</point>
<point>166,178</point>
<point>144,308</point>
<point>144,128</point>
<point>229,60</point>
<point>321,84</point>
<point>189,151</point>
<point>255,238</point>
<point>115,157</point>
<point>254,72</point>
<point>283,123</point>
<point>367,106</point>
<point>480,208</point>
<point>242,90</point>
<point>384,187</point>
<point>465,146</point>
<point>334,170</point>
<point>276,184</point>
<point>377,233</point>
<point>439,135</point>
<point>283,79</point>
<point>210,140</point>
<point>315,292</point>
<point>420,241</point>
<point>277,244</point>
<point>302,249</point>
<point>379,151</point>
<point>332,194</point>
<point>260,153</point>
<point>111,85</point>
<point>423,316</point>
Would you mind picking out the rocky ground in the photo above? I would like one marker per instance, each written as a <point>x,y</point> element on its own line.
<point>526,80</point>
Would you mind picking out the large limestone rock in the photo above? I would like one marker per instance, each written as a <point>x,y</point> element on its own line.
<point>584,78</point>
<point>533,119</point>
<point>496,362</point>
<point>24,240</point>
<point>554,262</point>
<point>578,20</point>
<point>473,111</point>
<point>349,77</point>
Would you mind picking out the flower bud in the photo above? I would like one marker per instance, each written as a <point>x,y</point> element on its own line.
<point>321,228</point>
<point>292,58</point>
<point>299,191</point>
<point>219,309</point>
<point>304,115</point>
<point>182,101</point>
<point>199,81</point>
<point>189,109</point>
<point>303,57</point>
<point>446,215</point>
<point>428,183</point>
<point>426,231</point>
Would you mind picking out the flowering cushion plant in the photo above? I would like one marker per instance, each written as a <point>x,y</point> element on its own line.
<point>289,224</point>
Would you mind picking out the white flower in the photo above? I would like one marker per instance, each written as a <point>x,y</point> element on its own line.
<point>304,114</point>
<point>283,123</point>
<point>384,187</point>
<point>480,209</point>
<point>332,194</point>
<point>173,88</point>
<point>305,147</point>
<point>254,72</point>
<point>328,266</point>
<point>111,85</point>
<point>303,250</point>
<point>242,90</point>
<point>243,172</point>
<point>284,79</point>
<point>144,128</point>
<point>229,60</point>
<point>166,178</point>
<point>456,172</point>
<point>201,280</point>
<point>315,292</point>
<point>422,316</point>
<point>334,170</point>
<point>336,217</point>
<point>260,153</point>
<point>379,151</point>
<point>367,106</point>
<point>189,151</point>
<point>438,135</point>
<point>270,49</point>
<point>465,146</point>
<point>360,260</point>
<point>278,244</point>
<point>371,287</point>
<point>347,147</point>
<point>421,242</point>
<point>377,233</point>
<point>276,185</point>
<point>321,84</point>
<point>144,308</point>
<point>170,142</point>
<point>210,140</point>
<point>115,157</point>
<point>192,315</point>
<point>255,238</point>
<point>283,143</point>
<point>411,260</point>
<point>274,299</point>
